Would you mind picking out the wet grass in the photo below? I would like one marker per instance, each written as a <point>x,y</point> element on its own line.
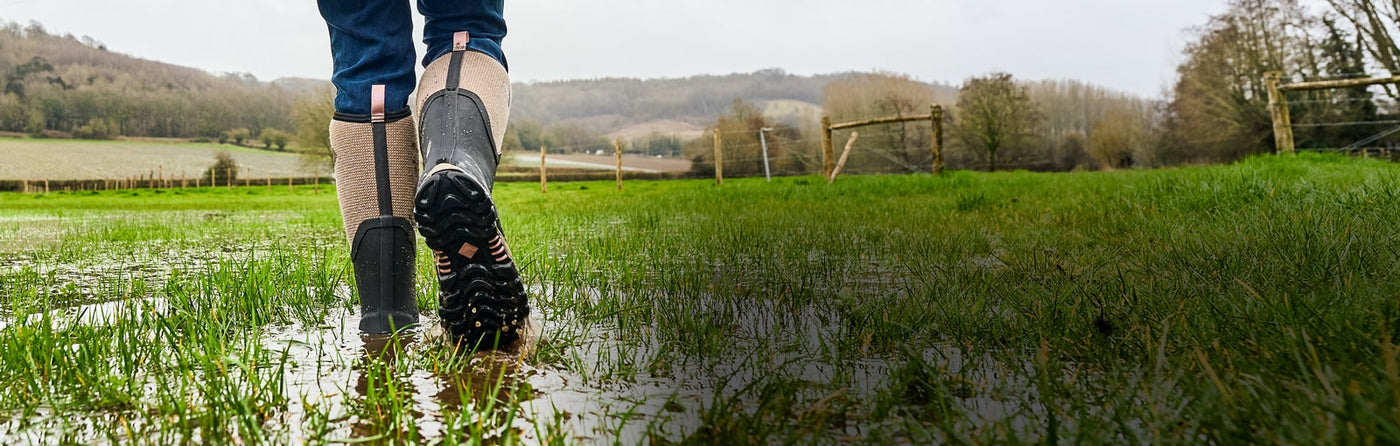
<point>1247,303</point>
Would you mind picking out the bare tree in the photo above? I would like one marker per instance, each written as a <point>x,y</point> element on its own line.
<point>1115,138</point>
<point>312,115</point>
<point>995,112</point>
<point>1377,24</point>
<point>893,147</point>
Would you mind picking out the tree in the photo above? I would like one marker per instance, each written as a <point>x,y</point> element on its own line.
<point>994,112</point>
<point>901,147</point>
<point>238,135</point>
<point>1219,106</point>
<point>1338,57</point>
<point>274,137</point>
<point>280,140</point>
<point>739,141</point>
<point>224,170</point>
<point>36,123</point>
<point>1071,109</point>
<point>312,116</point>
<point>1115,138</point>
<point>1377,24</point>
<point>97,128</point>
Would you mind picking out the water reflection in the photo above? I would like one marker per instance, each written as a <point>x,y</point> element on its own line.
<point>380,388</point>
<point>394,373</point>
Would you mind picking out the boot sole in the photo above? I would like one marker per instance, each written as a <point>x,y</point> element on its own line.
<point>482,299</point>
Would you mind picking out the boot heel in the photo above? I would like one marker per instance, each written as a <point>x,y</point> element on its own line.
<point>383,256</point>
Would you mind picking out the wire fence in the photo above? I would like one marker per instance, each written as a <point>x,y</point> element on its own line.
<point>1372,126</point>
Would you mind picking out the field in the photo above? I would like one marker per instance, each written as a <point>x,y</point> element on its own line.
<point>38,159</point>
<point>31,159</point>
<point>1250,303</point>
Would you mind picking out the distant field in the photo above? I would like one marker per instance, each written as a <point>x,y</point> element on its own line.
<point>671,127</point>
<point>29,159</point>
<point>633,163</point>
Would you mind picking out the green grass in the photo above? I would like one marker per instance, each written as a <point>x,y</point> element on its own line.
<point>1250,303</point>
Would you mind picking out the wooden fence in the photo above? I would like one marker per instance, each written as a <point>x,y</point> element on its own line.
<point>934,116</point>
<point>1278,102</point>
<point>43,186</point>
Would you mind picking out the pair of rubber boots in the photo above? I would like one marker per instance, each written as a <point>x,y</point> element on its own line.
<point>482,301</point>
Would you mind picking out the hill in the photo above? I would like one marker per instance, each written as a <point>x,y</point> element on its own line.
<point>677,106</point>
<point>76,85</point>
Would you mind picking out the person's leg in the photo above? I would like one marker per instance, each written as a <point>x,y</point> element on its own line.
<point>483,68</point>
<point>463,102</point>
<point>483,19</point>
<point>371,43</point>
<point>376,153</point>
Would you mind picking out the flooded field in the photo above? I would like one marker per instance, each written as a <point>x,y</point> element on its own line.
<point>1125,307</point>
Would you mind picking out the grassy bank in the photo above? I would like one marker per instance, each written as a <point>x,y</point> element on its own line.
<point>1246,303</point>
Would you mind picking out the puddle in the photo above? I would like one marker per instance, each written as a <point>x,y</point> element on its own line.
<point>94,314</point>
<point>330,369</point>
<point>327,373</point>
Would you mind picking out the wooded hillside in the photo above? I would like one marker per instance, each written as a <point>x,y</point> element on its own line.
<point>62,84</point>
<point>606,105</point>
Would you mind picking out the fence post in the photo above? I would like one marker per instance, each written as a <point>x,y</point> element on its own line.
<point>46,187</point>
<point>844,154</point>
<point>828,152</point>
<point>617,145</point>
<point>228,178</point>
<point>269,183</point>
<point>1278,109</point>
<point>936,115</point>
<point>719,159</point>
<point>289,185</point>
<point>544,182</point>
<point>183,183</point>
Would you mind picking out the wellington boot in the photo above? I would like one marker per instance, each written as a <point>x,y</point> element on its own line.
<point>482,300</point>
<point>376,164</point>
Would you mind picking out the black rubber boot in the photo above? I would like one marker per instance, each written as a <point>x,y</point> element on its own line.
<point>383,255</point>
<point>483,302</point>
<point>384,251</point>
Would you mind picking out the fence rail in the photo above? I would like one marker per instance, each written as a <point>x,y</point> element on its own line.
<point>934,116</point>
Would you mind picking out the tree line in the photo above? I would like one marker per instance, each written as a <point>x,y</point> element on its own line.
<point>1216,111</point>
<point>1218,108</point>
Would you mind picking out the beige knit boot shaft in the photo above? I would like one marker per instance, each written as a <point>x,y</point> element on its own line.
<point>353,144</point>
<point>482,75</point>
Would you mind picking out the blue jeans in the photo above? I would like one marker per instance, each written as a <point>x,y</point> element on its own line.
<point>372,43</point>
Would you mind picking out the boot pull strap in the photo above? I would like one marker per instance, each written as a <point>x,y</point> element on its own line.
<point>381,149</point>
<point>454,67</point>
<point>376,103</point>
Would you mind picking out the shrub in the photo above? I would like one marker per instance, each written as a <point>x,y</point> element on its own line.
<point>97,128</point>
<point>238,135</point>
<point>224,170</point>
<point>274,137</point>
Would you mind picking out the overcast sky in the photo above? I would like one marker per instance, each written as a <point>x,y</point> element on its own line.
<point>1130,45</point>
